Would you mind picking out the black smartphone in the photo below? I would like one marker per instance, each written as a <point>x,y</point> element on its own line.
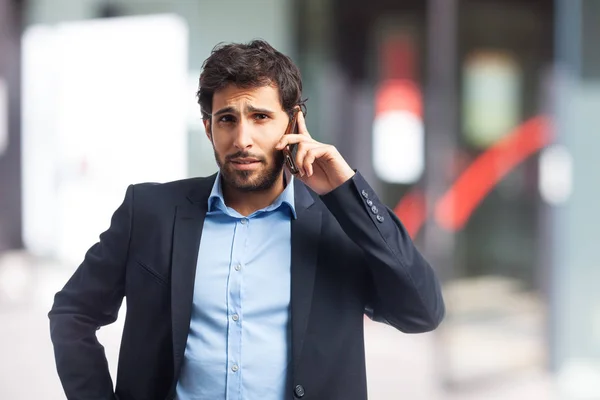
<point>289,151</point>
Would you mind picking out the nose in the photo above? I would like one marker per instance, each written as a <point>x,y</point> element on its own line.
<point>243,136</point>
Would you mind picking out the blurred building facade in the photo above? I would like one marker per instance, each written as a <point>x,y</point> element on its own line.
<point>475,120</point>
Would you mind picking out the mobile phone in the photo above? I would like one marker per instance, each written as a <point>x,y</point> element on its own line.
<point>289,151</point>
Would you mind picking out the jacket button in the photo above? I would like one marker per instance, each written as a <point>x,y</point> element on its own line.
<point>374,210</point>
<point>299,391</point>
<point>369,203</point>
<point>365,194</point>
<point>380,218</point>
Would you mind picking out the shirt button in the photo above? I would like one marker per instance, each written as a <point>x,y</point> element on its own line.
<point>299,391</point>
<point>238,267</point>
<point>244,221</point>
<point>235,368</point>
<point>235,317</point>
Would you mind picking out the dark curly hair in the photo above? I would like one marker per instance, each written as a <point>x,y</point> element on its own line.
<point>249,65</point>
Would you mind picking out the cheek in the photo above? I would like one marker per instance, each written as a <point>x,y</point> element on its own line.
<point>268,148</point>
<point>271,137</point>
<point>221,142</point>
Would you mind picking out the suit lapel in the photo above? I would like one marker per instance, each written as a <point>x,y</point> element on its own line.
<point>189,221</point>
<point>306,231</point>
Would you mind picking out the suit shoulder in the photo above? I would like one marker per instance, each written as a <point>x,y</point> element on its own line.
<point>172,189</point>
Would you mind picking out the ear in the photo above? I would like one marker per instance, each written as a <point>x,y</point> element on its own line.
<point>207,128</point>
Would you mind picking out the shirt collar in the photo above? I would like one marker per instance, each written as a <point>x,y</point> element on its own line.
<point>216,202</point>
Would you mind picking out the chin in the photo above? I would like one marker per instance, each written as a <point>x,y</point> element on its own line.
<point>252,181</point>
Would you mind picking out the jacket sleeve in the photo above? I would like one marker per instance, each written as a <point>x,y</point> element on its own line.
<point>404,291</point>
<point>91,299</point>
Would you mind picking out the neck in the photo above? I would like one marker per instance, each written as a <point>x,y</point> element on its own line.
<point>246,203</point>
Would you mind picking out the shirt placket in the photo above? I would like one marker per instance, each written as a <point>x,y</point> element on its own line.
<point>235,311</point>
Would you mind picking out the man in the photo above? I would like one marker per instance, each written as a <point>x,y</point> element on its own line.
<point>251,283</point>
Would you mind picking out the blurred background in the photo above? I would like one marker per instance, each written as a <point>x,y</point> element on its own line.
<point>476,121</point>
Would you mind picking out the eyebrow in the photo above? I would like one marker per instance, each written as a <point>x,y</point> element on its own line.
<point>252,109</point>
<point>249,109</point>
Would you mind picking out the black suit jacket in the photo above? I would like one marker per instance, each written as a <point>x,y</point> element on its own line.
<point>350,256</point>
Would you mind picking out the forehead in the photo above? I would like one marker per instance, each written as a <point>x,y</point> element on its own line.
<point>234,96</point>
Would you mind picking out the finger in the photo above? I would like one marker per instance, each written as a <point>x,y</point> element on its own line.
<point>308,163</point>
<point>310,156</point>
<point>291,139</point>
<point>303,149</point>
<point>302,129</point>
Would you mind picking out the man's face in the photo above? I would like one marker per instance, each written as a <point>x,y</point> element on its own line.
<point>246,125</point>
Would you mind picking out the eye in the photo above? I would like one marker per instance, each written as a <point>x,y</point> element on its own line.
<point>227,118</point>
<point>261,117</point>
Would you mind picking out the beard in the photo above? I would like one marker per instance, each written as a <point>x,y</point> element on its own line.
<point>250,181</point>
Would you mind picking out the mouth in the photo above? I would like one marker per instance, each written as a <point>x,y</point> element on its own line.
<point>245,163</point>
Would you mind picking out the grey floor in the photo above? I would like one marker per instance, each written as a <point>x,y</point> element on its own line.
<point>399,366</point>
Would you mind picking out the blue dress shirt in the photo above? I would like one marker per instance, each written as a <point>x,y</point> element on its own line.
<point>239,343</point>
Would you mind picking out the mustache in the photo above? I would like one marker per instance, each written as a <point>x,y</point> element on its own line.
<point>243,154</point>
